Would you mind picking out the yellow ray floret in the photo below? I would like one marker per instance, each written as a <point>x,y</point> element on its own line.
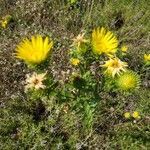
<point>34,51</point>
<point>104,41</point>
<point>114,66</point>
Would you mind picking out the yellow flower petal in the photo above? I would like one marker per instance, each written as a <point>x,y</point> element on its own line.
<point>104,41</point>
<point>114,66</point>
<point>34,51</point>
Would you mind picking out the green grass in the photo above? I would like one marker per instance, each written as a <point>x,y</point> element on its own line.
<point>42,123</point>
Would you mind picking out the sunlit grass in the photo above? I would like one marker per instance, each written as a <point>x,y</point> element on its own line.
<point>67,117</point>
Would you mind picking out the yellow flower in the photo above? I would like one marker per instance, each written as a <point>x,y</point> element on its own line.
<point>124,48</point>
<point>4,23</point>
<point>128,81</point>
<point>75,61</point>
<point>35,81</point>
<point>5,20</point>
<point>146,57</point>
<point>114,66</point>
<point>136,115</point>
<point>104,41</point>
<point>127,115</point>
<point>79,40</point>
<point>34,51</point>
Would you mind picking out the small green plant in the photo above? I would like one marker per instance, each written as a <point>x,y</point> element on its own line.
<point>81,94</point>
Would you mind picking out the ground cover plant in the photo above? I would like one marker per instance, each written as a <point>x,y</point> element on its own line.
<point>74,74</point>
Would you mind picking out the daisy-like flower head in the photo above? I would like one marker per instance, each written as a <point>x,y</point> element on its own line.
<point>104,41</point>
<point>128,81</point>
<point>79,40</point>
<point>75,61</point>
<point>34,51</point>
<point>114,66</point>
<point>35,81</point>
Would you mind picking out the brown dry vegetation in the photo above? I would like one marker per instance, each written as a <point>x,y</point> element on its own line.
<point>63,21</point>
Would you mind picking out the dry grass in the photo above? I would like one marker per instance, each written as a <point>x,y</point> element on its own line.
<point>62,21</point>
